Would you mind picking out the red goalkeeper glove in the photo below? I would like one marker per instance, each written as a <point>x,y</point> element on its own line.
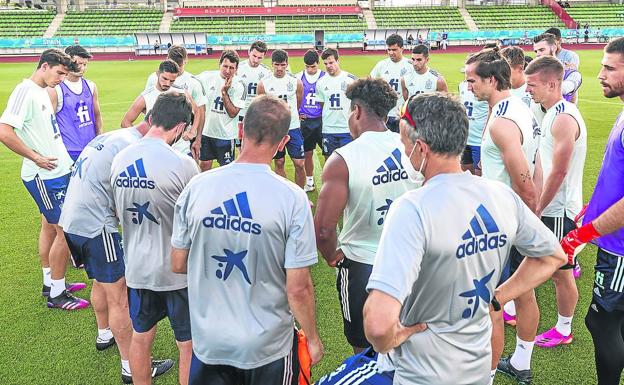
<point>577,237</point>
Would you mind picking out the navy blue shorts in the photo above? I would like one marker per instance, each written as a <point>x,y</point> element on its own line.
<point>311,129</point>
<point>609,281</point>
<point>147,307</point>
<point>472,155</point>
<point>351,285</point>
<point>102,256</point>
<point>220,149</point>
<point>560,226</point>
<point>332,142</point>
<point>393,124</point>
<point>49,195</point>
<point>284,371</point>
<point>294,145</point>
<point>358,369</point>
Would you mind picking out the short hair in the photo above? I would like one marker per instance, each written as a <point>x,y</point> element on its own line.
<point>77,50</point>
<point>267,120</point>
<point>394,39</point>
<point>514,55</point>
<point>311,57</point>
<point>330,52</point>
<point>178,54</point>
<point>171,109</point>
<point>421,49</point>
<point>554,31</point>
<point>375,95</point>
<point>55,57</point>
<point>259,46</point>
<point>490,63</point>
<point>615,46</point>
<point>547,37</point>
<point>546,65</point>
<point>231,55</point>
<point>279,56</point>
<point>169,66</point>
<point>440,121</point>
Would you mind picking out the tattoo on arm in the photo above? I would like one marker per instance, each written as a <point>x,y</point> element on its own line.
<point>526,176</point>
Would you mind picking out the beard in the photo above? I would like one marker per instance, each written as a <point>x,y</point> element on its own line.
<point>614,91</point>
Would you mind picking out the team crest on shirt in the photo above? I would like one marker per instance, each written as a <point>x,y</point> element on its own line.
<point>429,84</point>
<point>403,71</point>
<point>343,86</point>
<point>289,87</point>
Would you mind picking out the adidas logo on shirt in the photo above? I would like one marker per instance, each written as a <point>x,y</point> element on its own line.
<point>135,177</point>
<point>234,215</point>
<point>476,240</point>
<point>391,170</point>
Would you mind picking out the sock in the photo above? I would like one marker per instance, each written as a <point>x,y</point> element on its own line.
<point>105,334</point>
<point>521,359</point>
<point>57,286</point>
<point>510,308</point>
<point>125,367</point>
<point>564,325</point>
<point>46,276</point>
<point>310,180</point>
<point>492,374</point>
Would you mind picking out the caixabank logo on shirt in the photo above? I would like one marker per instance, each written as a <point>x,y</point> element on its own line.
<point>233,215</point>
<point>391,170</point>
<point>135,177</point>
<point>476,239</point>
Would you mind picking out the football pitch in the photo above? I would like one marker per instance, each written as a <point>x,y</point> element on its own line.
<point>49,346</point>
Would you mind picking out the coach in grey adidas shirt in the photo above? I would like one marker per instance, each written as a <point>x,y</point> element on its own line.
<point>440,257</point>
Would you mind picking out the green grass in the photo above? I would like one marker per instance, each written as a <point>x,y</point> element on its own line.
<point>41,346</point>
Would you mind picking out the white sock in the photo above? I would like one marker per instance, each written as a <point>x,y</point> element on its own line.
<point>46,276</point>
<point>105,334</point>
<point>521,359</point>
<point>510,308</point>
<point>125,367</point>
<point>310,180</point>
<point>564,325</point>
<point>492,374</point>
<point>57,286</point>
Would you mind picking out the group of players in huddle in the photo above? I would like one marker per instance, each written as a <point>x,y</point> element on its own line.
<point>225,255</point>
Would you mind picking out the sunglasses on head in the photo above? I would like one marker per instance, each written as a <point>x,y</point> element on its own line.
<point>404,112</point>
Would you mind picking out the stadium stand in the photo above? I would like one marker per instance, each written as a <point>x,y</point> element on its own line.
<point>332,24</point>
<point>598,15</point>
<point>447,18</point>
<point>222,3</point>
<point>24,23</point>
<point>513,17</point>
<point>219,25</point>
<point>110,22</point>
<point>305,3</point>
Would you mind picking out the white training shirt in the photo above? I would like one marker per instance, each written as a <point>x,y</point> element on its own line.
<point>218,123</point>
<point>285,88</point>
<point>421,83</point>
<point>514,109</point>
<point>569,199</point>
<point>251,76</point>
<point>392,72</point>
<point>30,113</point>
<point>330,90</point>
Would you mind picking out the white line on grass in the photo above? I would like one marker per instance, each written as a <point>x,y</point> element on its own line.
<point>599,102</point>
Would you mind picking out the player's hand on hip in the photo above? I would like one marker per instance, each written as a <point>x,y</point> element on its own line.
<point>337,258</point>
<point>45,162</point>
<point>316,350</point>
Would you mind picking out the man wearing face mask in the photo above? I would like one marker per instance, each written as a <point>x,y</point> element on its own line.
<point>360,182</point>
<point>508,155</point>
<point>147,177</point>
<point>429,295</point>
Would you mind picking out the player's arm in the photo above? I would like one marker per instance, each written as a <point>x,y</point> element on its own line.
<point>10,139</point>
<point>300,294</point>
<point>441,85</point>
<point>260,90</point>
<point>179,258</point>
<point>332,200</point>
<point>133,112</point>
<point>97,112</point>
<point>229,106</point>
<point>538,177</point>
<point>404,89</point>
<point>381,322</point>
<point>53,98</point>
<point>299,94</point>
<point>564,131</point>
<point>506,135</point>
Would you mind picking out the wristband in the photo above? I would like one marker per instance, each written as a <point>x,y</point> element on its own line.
<point>495,304</point>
